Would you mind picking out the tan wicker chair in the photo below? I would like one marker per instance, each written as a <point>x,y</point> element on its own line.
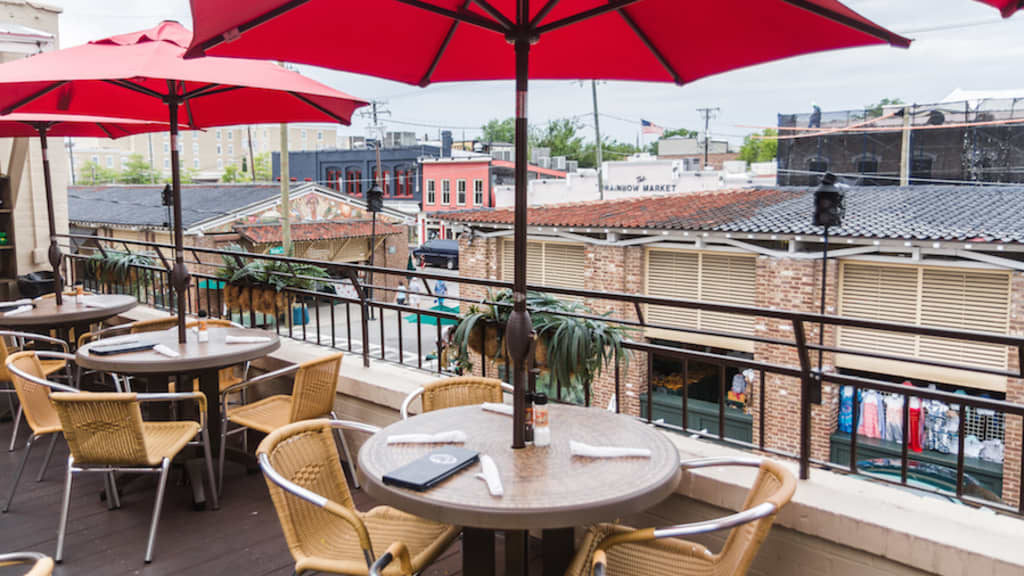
<point>49,366</point>
<point>29,378</point>
<point>458,391</point>
<point>313,391</point>
<point>324,531</point>
<point>106,434</point>
<point>614,550</point>
<point>42,565</point>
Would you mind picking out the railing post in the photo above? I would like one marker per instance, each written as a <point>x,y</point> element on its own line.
<point>805,401</point>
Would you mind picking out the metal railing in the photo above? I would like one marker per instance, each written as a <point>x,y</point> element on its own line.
<point>154,289</point>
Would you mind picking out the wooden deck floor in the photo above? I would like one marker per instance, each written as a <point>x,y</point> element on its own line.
<point>243,537</point>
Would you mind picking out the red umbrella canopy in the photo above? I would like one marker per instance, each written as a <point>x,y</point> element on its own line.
<point>28,125</point>
<point>125,76</point>
<point>1006,7</point>
<point>417,41</point>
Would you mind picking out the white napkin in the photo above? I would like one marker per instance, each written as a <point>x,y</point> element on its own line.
<point>588,451</point>
<point>452,437</point>
<point>490,475</point>
<point>229,339</point>
<point>18,310</point>
<point>92,302</point>
<point>161,349</point>
<point>505,409</point>
<point>18,302</point>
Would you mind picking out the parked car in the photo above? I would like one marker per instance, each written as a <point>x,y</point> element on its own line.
<point>438,252</point>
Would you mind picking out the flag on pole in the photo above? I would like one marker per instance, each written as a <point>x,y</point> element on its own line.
<point>651,128</point>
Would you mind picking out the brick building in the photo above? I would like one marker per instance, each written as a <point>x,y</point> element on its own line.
<point>942,256</point>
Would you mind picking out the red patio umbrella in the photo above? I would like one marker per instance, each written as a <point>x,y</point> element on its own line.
<point>424,41</point>
<point>144,75</point>
<point>43,125</point>
<point>1006,7</point>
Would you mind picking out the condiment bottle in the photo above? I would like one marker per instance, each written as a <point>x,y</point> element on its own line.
<point>204,336</point>
<point>528,433</point>
<point>79,293</point>
<point>541,431</point>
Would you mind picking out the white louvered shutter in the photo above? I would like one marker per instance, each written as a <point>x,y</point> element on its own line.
<point>727,279</point>
<point>878,293</point>
<point>964,300</point>
<point>563,267</point>
<point>673,274</point>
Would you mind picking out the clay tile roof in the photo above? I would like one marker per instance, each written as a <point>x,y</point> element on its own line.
<point>319,230</point>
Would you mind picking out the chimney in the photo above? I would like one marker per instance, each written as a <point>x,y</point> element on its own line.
<point>446,144</point>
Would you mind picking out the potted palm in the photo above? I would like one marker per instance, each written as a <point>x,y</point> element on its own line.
<point>126,269</point>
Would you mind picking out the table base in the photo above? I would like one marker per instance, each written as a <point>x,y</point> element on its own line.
<point>478,556</point>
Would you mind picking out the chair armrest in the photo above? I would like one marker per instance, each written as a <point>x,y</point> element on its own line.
<point>404,411</point>
<point>199,397</point>
<point>89,336</point>
<point>38,337</point>
<point>508,388</point>
<point>345,513</point>
<point>41,381</point>
<point>261,378</point>
<point>599,563</point>
<point>397,550</point>
<point>357,426</point>
<point>749,461</point>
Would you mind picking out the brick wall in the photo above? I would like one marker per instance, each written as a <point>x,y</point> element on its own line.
<point>392,251</point>
<point>1014,393</point>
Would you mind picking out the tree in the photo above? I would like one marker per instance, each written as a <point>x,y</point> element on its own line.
<point>499,130</point>
<point>684,132</point>
<point>875,110</point>
<point>136,170</point>
<point>231,174</point>
<point>261,166</point>
<point>559,136</point>
<point>92,173</point>
<point>611,150</point>
<point>760,149</point>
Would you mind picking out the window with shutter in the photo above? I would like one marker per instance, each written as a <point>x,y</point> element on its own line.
<point>727,279</point>
<point>556,264</point>
<point>673,274</point>
<point>878,293</point>
<point>967,301</point>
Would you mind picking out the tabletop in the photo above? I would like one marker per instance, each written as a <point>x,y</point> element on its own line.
<point>48,313</point>
<point>194,356</point>
<point>545,487</point>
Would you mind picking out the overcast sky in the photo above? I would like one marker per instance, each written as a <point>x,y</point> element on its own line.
<point>958,44</point>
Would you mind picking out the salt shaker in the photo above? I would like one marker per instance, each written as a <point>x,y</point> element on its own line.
<point>79,293</point>
<point>541,431</point>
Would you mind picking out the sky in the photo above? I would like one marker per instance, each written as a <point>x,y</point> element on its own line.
<point>957,44</point>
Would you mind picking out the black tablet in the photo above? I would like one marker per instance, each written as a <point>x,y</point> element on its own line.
<point>430,470</point>
<point>120,348</point>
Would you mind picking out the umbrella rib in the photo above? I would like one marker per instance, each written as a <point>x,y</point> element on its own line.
<point>199,91</point>
<point>188,110</point>
<point>105,131</point>
<point>136,88</point>
<point>650,46</point>
<point>32,97</point>
<point>880,33</point>
<point>440,50</point>
<point>494,13</point>
<point>211,92</point>
<point>320,108</point>
<point>245,27</point>
<point>545,11</point>
<point>612,6</point>
<point>467,17</point>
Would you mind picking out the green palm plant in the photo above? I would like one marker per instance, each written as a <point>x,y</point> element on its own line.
<point>129,269</point>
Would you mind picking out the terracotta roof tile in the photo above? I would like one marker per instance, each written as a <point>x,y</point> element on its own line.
<point>319,230</point>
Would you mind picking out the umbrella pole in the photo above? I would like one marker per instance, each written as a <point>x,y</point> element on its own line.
<point>55,255</point>
<point>519,325</point>
<point>179,276</point>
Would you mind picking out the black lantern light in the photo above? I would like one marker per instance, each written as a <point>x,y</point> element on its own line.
<point>829,203</point>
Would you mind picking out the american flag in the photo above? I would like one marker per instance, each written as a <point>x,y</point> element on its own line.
<point>651,128</point>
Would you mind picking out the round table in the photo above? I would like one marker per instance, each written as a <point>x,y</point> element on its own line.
<point>545,487</point>
<point>199,360</point>
<point>48,315</point>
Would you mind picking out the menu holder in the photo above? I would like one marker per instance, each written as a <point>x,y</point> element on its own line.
<point>430,470</point>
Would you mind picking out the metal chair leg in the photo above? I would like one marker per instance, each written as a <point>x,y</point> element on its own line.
<point>49,454</point>
<point>106,491</point>
<point>220,457</point>
<point>21,469</point>
<point>112,478</point>
<point>65,507</point>
<point>14,433</point>
<point>214,488</point>
<point>348,454</point>
<point>164,467</point>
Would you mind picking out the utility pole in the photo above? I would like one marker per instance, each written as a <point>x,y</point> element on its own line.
<point>252,159</point>
<point>286,209</point>
<point>905,149</point>
<point>71,158</point>
<point>150,137</point>
<point>597,146</point>
<point>707,113</point>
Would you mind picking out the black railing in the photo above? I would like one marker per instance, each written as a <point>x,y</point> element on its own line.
<point>152,286</point>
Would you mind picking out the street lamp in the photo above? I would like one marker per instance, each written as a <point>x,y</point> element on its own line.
<point>829,209</point>
<point>374,204</point>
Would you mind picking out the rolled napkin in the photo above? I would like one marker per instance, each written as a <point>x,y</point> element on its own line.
<point>229,339</point>
<point>19,310</point>
<point>588,451</point>
<point>490,475</point>
<point>451,437</point>
<point>161,349</point>
<point>505,409</point>
<point>92,302</point>
<point>12,304</point>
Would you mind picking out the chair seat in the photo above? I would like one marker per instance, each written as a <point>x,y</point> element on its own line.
<point>264,415</point>
<point>666,557</point>
<point>51,366</point>
<point>338,550</point>
<point>166,439</point>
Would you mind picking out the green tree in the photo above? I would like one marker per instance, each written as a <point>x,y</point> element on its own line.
<point>611,151</point>
<point>684,132</point>
<point>875,110</point>
<point>136,170</point>
<point>231,174</point>
<point>760,149</point>
<point>261,165</point>
<point>92,173</point>
<point>560,136</point>
<point>499,130</point>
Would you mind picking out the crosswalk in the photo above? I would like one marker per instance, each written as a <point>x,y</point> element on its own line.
<point>391,352</point>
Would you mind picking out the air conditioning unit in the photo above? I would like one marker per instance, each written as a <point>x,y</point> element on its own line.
<point>544,162</point>
<point>558,162</point>
<point>572,166</point>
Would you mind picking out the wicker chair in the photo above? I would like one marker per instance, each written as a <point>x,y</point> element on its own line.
<point>618,550</point>
<point>324,531</point>
<point>458,391</point>
<point>42,565</point>
<point>49,366</point>
<point>29,378</point>
<point>106,434</point>
<point>312,396</point>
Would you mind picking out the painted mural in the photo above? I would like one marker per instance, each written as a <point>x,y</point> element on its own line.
<point>309,206</point>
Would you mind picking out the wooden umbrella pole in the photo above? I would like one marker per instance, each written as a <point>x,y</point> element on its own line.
<point>54,254</point>
<point>179,276</point>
